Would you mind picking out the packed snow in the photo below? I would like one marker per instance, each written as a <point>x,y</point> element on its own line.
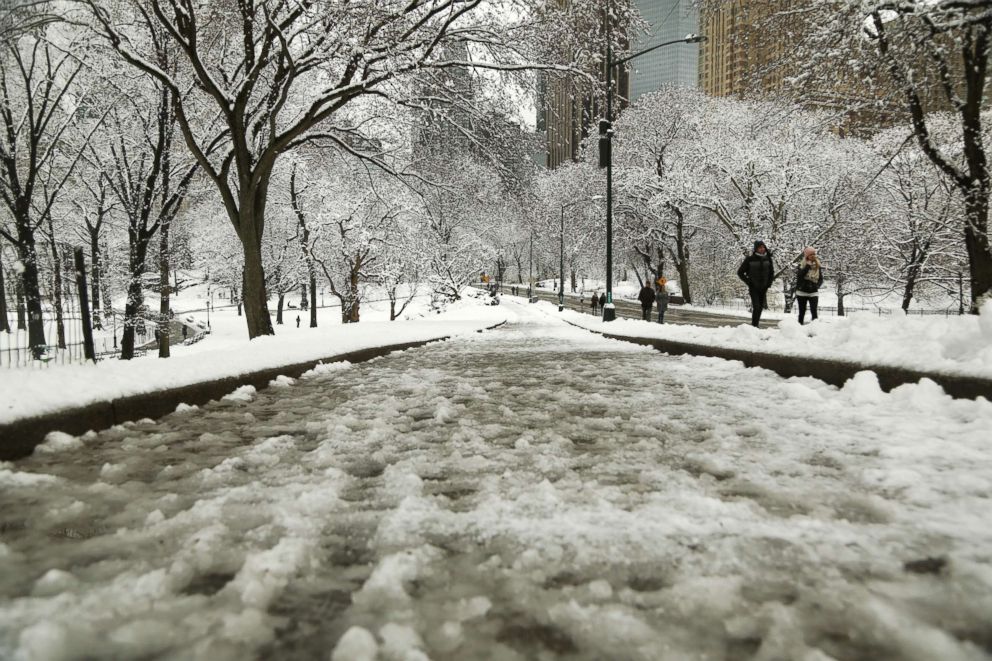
<point>532,492</point>
<point>952,345</point>
<point>228,352</point>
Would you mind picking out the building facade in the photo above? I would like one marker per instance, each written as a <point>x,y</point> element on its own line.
<point>672,65</point>
<point>568,111</point>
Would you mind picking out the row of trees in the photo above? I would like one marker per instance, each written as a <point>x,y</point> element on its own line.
<point>698,179</point>
<point>127,121</point>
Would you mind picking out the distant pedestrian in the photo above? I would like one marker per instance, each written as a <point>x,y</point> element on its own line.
<point>595,302</point>
<point>757,271</point>
<point>646,297</point>
<point>297,321</point>
<point>602,302</point>
<point>661,297</point>
<point>185,332</point>
<point>809,277</point>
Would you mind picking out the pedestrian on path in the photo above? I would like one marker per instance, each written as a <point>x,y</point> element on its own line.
<point>602,302</point>
<point>185,332</point>
<point>661,297</point>
<point>595,302</point>
<point>757,271</point>
<point>297,321</point>
<point>809,277</point>
<point>646,297</point>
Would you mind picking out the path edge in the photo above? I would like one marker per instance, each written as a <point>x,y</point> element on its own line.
<point>18,439</point>
<point>834,372</point>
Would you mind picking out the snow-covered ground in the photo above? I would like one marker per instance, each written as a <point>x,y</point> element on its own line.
<point>534,492</point>
<point>227,352</point>
<point>953,345</point>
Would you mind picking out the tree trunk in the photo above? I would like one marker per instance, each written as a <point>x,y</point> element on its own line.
<point>163,309</point>
<point>4,320</point>
<point>57,289</point>
<point>788,294</point>
<point>108,304</point>
<point>95,267</point>
<point>134,300</point>
<point>574,283</point>
<point>279,304</point>
<point>977,243</point>
<point>907,292</point>
<point>304,301</point>
<point>253,295</point>
<point>353,306</point>
<point>840,295</point>
<point>313,299</point>
<point>19,297</point>
<point>28,255</point>
<point>135,296</point>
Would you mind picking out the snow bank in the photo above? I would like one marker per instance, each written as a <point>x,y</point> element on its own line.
<point>952,345</point>
<point>225,353</point>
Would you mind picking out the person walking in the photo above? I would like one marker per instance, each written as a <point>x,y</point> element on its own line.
<point>185,332</point>
<point>646,297</point>
<point>595,301</point>
<point>602,302</point>
<point>809,277</point>
<point>661,298</point>
<point>757,271</point>
<point>297,321</point>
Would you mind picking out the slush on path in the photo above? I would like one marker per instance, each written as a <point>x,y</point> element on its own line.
<point>535,492</point>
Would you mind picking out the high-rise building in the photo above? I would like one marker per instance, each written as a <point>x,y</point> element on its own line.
<point>677,64</point>
<point>753,49</point>
<point>744,47</point>
<point>568,109</point>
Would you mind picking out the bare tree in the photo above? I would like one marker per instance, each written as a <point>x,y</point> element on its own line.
<point>35,114</point>
<point>278,71</point>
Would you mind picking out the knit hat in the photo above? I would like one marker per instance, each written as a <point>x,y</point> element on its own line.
<point>809,251</point>
<point>759,243</point>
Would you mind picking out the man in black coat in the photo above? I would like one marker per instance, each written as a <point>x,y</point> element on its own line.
<point>757,271</point>
<point>646,297</point>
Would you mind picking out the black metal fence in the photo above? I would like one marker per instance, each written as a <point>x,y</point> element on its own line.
<point>73,333</point>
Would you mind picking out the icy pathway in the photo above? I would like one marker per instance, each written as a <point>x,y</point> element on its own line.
<point>531,493</point>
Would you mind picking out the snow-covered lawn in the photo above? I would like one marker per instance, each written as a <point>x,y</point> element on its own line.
<point>227,352</point>
<point>535,492</point>
<point>952,345</point>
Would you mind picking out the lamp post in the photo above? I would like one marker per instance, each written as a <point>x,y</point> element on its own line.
<point>530,269</point>
<point>606,134</point>
<point>561,250</point>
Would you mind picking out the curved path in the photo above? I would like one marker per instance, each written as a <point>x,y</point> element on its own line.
<point>535,492</point>
<point>628,309</point>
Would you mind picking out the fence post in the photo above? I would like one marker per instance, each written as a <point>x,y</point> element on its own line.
<point>84,305</point>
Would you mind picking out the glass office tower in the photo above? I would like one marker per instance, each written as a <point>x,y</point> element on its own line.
<point>676,64</point>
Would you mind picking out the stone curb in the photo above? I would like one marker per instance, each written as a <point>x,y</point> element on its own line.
<point>834,372</point>
<point>18,439</point>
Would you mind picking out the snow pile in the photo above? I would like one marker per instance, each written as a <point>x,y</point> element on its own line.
<point>952,345</point>
<point>225,353</point>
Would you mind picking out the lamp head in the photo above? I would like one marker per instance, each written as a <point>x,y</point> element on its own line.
<point>694,38</point>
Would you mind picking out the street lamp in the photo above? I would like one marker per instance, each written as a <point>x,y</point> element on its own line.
<point>606,154</point>
<point>561,250</point>
<point>530,269</point>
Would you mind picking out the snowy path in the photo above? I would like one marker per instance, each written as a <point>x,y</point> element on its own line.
<point>530,493</point>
